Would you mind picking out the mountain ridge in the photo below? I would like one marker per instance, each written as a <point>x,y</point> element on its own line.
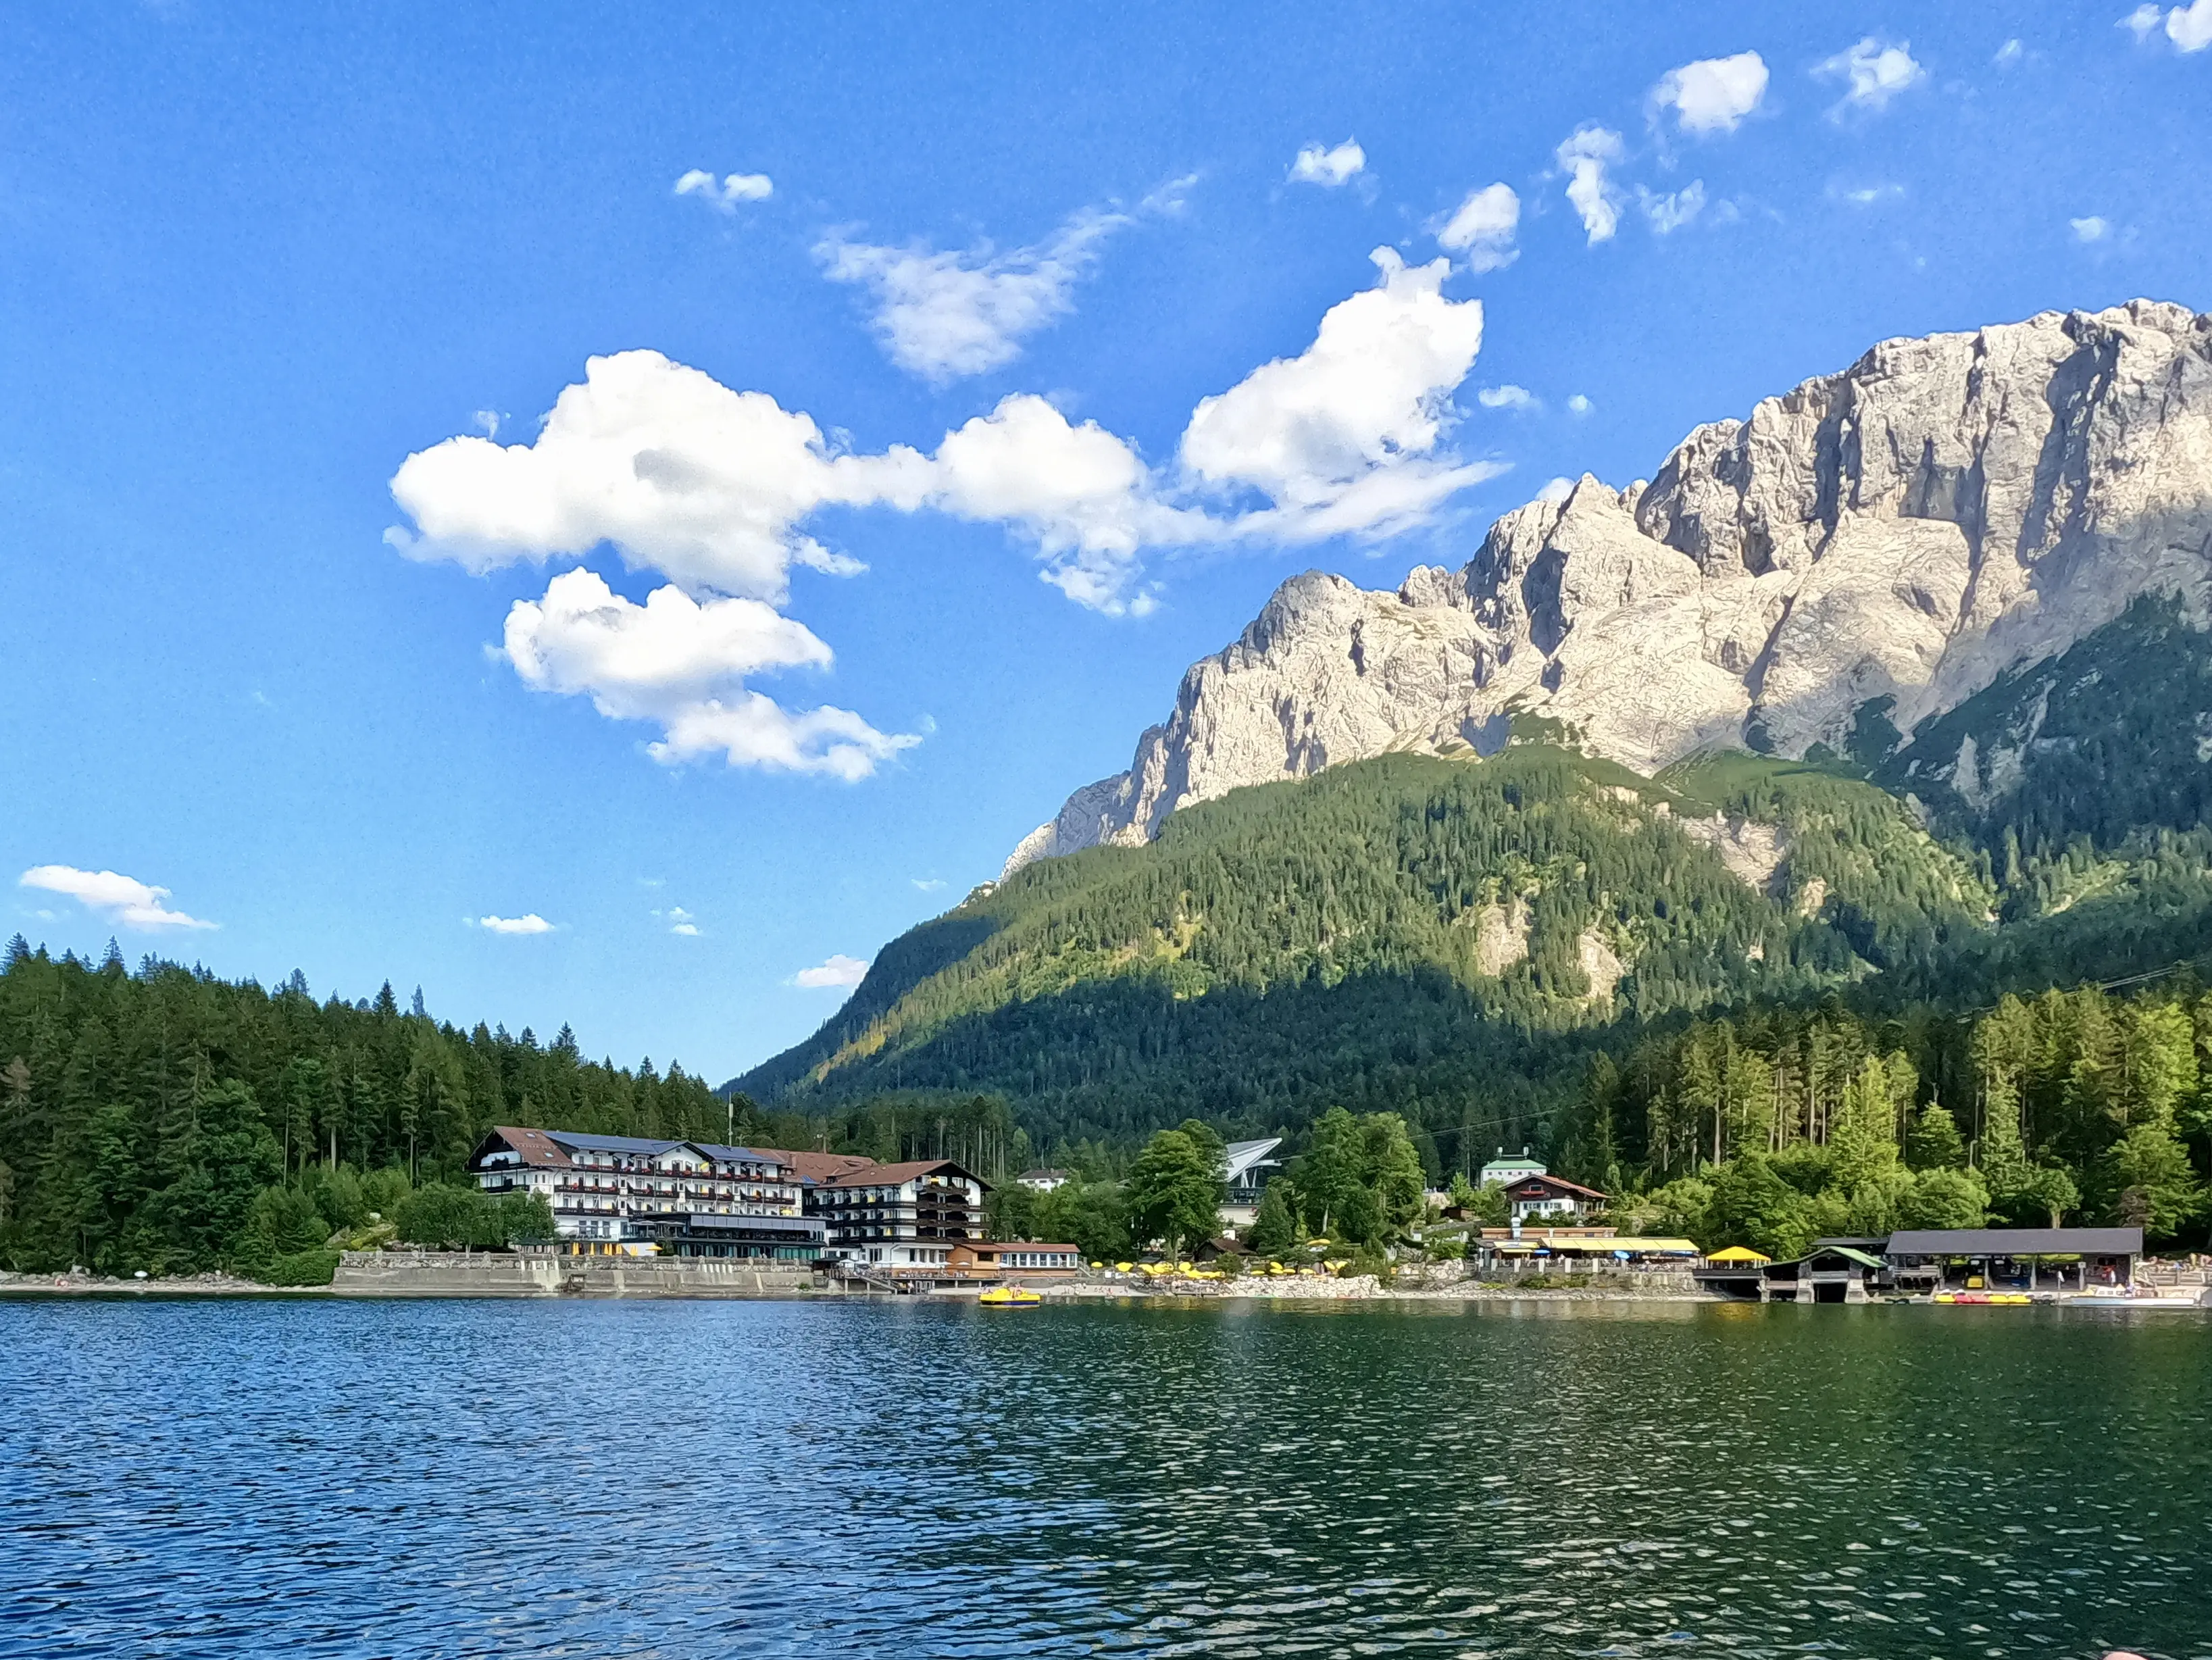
<point>1945,510</point>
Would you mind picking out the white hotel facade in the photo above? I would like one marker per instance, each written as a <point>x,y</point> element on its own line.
<point>634,1193</point>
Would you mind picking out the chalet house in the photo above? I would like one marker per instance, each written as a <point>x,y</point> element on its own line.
<point>1550,1195</point>
<point>616,1193</point>
<point>1043,1181</point>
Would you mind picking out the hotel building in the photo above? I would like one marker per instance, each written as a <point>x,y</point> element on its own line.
<point>627,1193</point>
<point>899,1216</point>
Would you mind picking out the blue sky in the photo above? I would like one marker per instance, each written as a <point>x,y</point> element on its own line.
<point>305,618</point>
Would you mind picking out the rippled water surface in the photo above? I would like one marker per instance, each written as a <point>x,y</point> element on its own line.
<point>710,1479</point>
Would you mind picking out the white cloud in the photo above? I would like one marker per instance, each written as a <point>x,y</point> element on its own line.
<point>1082,493</point>
<point>1670,212</point>
<point>2093,228</point>
<point>928,883</point>
<point>679,662</point>
<point>1343,437</point>
<point>1864,196</point>
<point>1483,227</point>
<point>488,421</point>
<point>1328,168</point>
<point>122,900</point>
<point>1507,397</point>
<point>2189,28</point>
<point>1578,404</point>
<point>680,474</point>
<point>724,194</point>
<point>2010,53</point>
<point>712,488</point>
<point>530,922</point>
<point>945,314</point>
<point>1557,491</point>
<point>1713,95</point>
<point>1874,72</point>
<point>837,971</point>
<point>1585,156</point>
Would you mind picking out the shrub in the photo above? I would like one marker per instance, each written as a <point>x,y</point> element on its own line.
<point>306,1268</point>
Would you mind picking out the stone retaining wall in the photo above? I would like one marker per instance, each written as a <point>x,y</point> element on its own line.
<point>544,1273</point>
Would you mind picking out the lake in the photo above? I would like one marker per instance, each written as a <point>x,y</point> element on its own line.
<point>693,1480</point>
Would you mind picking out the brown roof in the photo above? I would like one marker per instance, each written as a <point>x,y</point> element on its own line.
<point>1022,1244</point>
<point>1558,1182</point>
<point>819,1166</point>
<point>535,1146</point>
<point>891,1175</point>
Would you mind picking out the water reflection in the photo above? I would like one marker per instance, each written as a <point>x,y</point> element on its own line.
<point>1508,1479</point>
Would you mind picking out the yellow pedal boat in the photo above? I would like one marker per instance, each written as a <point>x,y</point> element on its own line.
<point>1009,1297</point>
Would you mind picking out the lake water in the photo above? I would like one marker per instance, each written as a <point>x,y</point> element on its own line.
<point>695,1479</point>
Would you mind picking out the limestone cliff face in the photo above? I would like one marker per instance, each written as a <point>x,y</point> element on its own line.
<point>1942,510</point>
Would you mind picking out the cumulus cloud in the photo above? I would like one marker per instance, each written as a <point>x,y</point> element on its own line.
<point>1872,72</point>
<point>1578,404</point>
<point>712,490</point>
<point>529,922</point>
<point>1670,211</point>
<point>837,970</point>
<point>2094,229</point>
<point>679,473</point>
<point>2189,28</point>
<point>122,900</point>
<point>1328,168</point>
<point>1483,227</point>
<point>1584,156</point>
<point>1713,95</point>
<point>679,662</point>
<point>725,194</point>
<point>1344,436</point>
<point>680,922</point>
<point>945,314</point>
<point>1508,396</point>
<point>2010,53</point>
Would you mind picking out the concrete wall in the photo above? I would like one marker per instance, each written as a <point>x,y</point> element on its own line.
<point>544,1273</point>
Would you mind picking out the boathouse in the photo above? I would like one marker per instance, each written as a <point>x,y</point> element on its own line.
<point>2013,1259</point>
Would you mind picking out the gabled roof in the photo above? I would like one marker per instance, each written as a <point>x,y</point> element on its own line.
<point>1042,1175</point>
<point>534,1147</point>
<point>2017,1242</point>
<point>1558,1183</point>
<point>817,1169</point>
<point>1847,1252</point>
<point>891,1175</point>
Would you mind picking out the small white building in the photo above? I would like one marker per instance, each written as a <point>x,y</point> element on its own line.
<point>1043,1181</point>
<point>1503,1171</point>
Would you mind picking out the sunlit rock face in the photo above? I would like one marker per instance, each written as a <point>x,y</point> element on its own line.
<point>1944,509</point>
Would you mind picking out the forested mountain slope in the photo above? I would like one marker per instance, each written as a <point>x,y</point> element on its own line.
<point>1448,937</point>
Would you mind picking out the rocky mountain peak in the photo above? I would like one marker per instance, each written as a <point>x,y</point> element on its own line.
<point>1944,509</point>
